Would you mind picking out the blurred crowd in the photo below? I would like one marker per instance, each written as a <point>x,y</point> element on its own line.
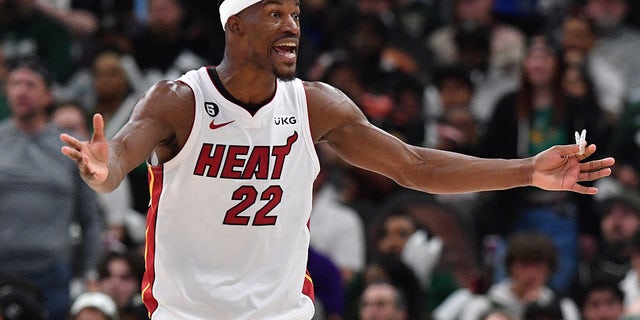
<point>490,78</point>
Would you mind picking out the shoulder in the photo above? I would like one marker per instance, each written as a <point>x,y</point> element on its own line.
<point>165,97</point>
<point>327,98</point>
<point>6,124</point>
<point>329,108</point>
<point>174,90</point>
<point>317,89</point>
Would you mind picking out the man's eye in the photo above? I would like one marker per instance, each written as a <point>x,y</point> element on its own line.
<point>275,14</point>
<point>296,16</point>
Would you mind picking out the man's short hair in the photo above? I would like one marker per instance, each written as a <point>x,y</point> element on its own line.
<point>599,284</point>
<point>531,247</point>
<point>34,65</point>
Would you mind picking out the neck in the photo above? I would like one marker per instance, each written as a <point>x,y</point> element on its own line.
<point>248,85</point>
<point>542,97</point>
<point>31,124</point>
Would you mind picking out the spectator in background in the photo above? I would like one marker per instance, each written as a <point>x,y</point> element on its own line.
<point>42,195</point>
<point>601,300</point>
<point>382,301</point>
<point>580,91</point>
<point>368,49</point>
<point>115,24</point>
<point>619,222</point>
<point>94,306</point>
<point>490,50</point>
<point>120,277</point>
<point>72,117</point>
<point>451,124</point>
<point>27,32</point>
<point>402,52</point>
<point>617,42</point>
<point>399,234</point>
<point>387,268</point>
<point>345,77</point>
<point>530,260</point>
<point>578,38</point>
<point>168,31</point>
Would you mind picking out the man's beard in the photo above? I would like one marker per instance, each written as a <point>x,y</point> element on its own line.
<point>285,76</point>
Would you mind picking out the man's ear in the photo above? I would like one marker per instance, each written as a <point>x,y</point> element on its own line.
<point>234,24</point>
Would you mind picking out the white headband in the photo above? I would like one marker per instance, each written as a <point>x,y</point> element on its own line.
<point>231,7</point>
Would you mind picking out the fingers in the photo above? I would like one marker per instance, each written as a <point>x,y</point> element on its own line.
<point>583,189</point>
<point>98,127</point>
<point>591,171</point>
<point>594,175</point>
<point>71,141</point>
<point>597,164</point>
<point>574,150</point>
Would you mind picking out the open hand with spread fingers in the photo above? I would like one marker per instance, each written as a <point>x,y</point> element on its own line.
<point>561,168</point>
<point>91,156</point>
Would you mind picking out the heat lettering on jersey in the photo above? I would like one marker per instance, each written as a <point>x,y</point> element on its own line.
<point>243,162</point>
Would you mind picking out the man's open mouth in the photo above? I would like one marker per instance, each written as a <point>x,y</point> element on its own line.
<point>287,49</point>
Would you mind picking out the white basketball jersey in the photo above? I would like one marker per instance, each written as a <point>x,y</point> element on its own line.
<point>227,228</point>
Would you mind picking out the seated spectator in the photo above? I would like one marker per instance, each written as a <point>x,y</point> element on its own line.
<point>578,38</point>
<point>401,235</point>
<point>617,42</point>
<point>120,277</point>
<point>390,269</point>
<point>491,50</point>
<point>619,222</point>
<point>382,301</point>
<point>71,117</point>
<point>94,306</point>
<point>450,92</point>
<point>601,299</point>
<point>530,260</point>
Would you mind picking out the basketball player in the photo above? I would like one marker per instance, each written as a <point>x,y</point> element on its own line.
<point>232,162</point>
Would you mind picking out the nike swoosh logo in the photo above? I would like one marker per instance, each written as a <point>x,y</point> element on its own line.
<point>214,126</point>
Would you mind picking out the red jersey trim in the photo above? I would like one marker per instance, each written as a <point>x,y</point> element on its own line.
<point>155,174</point>
<point>307,287</point>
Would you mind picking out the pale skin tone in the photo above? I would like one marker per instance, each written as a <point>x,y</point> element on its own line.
<point>261,43</point>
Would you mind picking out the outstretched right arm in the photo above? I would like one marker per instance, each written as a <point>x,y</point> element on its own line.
<point>104,164</point>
